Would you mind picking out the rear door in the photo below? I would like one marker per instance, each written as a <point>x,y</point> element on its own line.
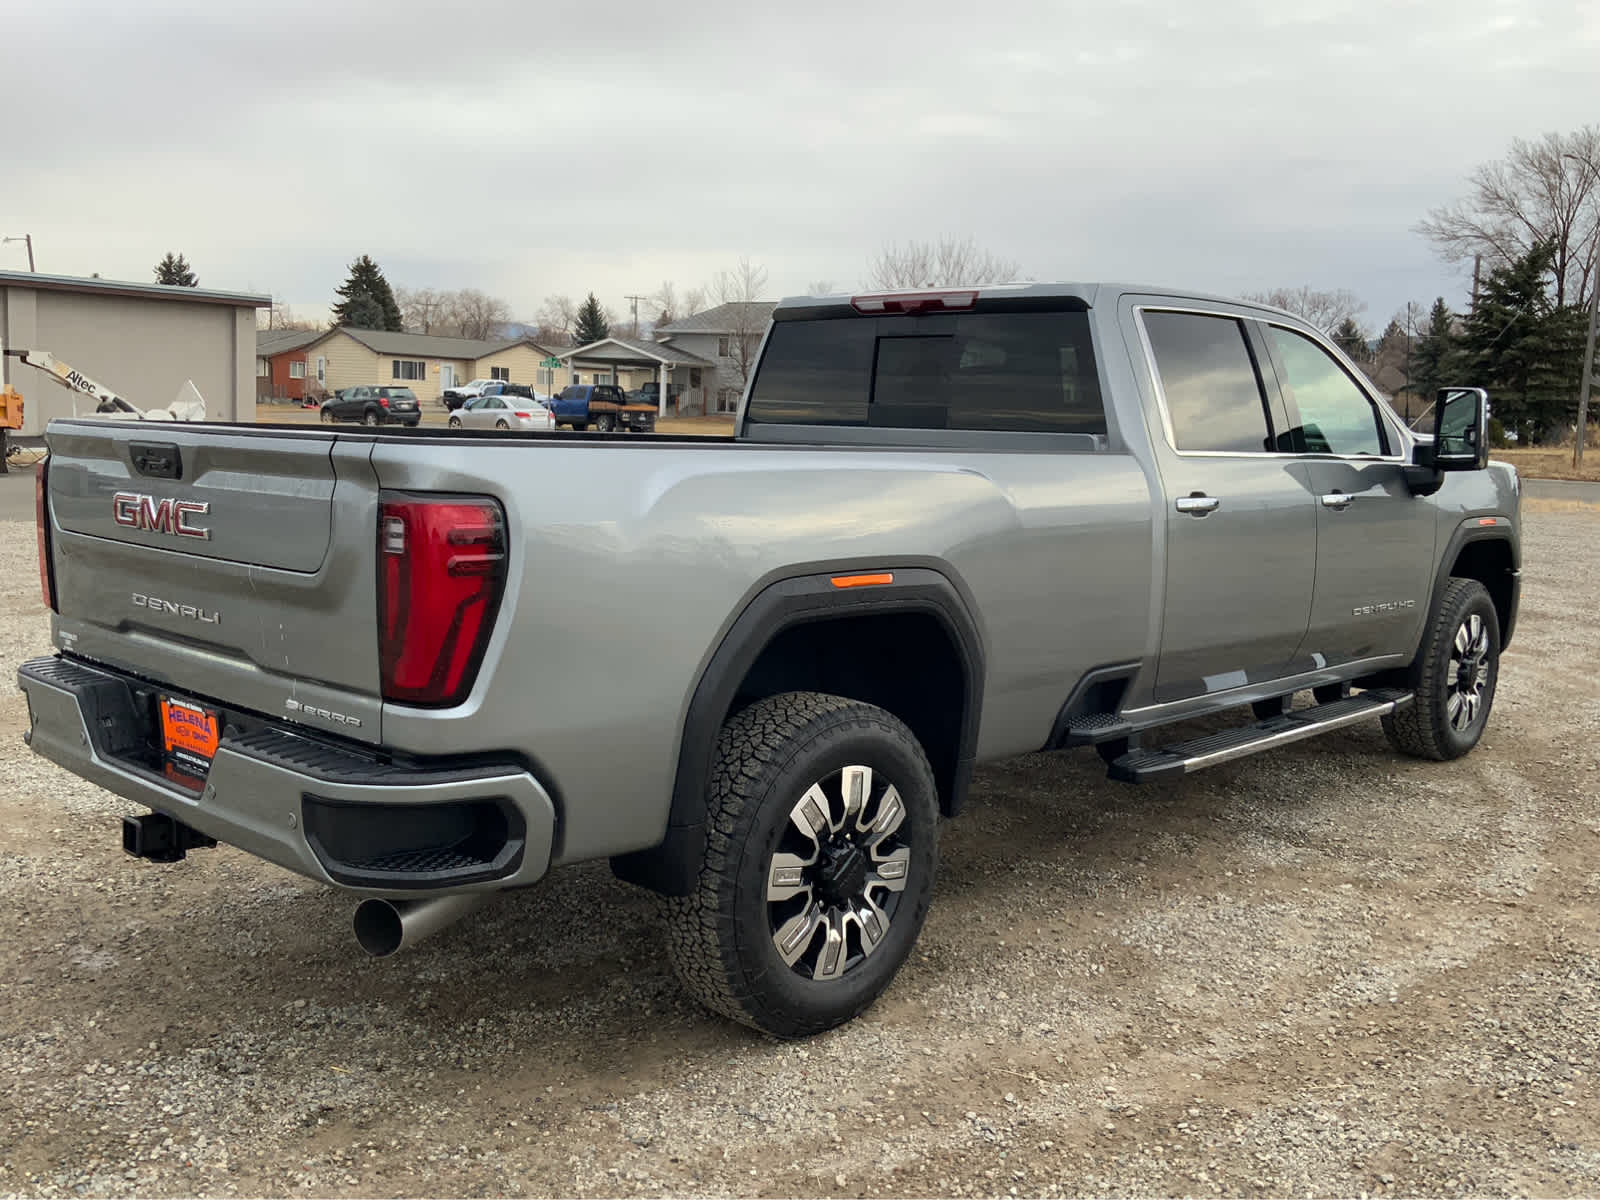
<point>1375,539</point>
<point>1240,519</point>
<point>239,564</point>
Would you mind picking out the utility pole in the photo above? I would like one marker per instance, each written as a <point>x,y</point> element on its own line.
<point>1594,321</point>
<point>1477,261</point>
<point>635,300</point>
<point>28,238</point>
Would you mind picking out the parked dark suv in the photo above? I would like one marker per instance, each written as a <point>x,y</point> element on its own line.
<point>373,406</point>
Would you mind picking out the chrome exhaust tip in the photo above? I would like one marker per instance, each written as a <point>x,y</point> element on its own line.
<point>384,927</point>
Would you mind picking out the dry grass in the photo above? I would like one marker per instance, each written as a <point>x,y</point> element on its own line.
<point>1552,463</point>
<point>1539,504</point>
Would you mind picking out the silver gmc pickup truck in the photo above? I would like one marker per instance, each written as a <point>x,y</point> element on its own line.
<point>949,527</point>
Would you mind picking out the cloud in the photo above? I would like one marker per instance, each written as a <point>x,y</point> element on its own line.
<point>530,149</point>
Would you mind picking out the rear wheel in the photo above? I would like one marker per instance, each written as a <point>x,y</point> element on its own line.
<point>455,422</point>
<point>370,417</point>
<point>821,846</point>
<point>327,417</point>
<point>1453,677</point>
<point>501,424</point>
<point>605,423</point>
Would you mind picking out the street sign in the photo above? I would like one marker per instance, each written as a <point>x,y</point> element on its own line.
<point>552,363</point>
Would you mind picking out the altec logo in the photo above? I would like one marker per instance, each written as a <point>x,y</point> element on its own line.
<point>135,510</point>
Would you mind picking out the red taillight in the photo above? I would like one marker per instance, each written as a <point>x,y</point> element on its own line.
<point>41,516</point>
<point>914,302</point>
<point>383,400</point>
<point>441,568</point>
<point>523,416</point>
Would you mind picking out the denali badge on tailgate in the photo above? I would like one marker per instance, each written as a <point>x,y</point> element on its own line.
<point>139,511</point>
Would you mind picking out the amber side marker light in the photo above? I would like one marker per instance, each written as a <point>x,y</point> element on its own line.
<point>849,581</point>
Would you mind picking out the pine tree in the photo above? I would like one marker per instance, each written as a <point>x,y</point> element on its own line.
<point>592,325</point>
<point>366,283</point>
<point>1433,358</point>
<point>174,271</point>
<point>1352,339</point>
<point>1523,349</point>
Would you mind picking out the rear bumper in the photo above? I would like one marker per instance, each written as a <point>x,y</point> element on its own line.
<point>334,815</point>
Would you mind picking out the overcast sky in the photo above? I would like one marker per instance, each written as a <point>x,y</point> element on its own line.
<point>535,148</point>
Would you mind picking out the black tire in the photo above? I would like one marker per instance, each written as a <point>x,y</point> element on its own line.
<point>501,424</point>
<point>1453,678</point>
<point>370,417</point>
<point>605,423</point>
<point>724,934</point>
<point>581,426</point>
<point>328,418</point>
<point>455,422</point>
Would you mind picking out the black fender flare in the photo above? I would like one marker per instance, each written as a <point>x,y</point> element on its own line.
<point>672,866</point>
<point>1466,533</point>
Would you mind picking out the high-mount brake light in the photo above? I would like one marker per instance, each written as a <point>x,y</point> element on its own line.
<point>914,302</point>
<point>41,516</point>
<point>441,571</point>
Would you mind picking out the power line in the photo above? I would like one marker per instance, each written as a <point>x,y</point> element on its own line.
<point>636,300</point>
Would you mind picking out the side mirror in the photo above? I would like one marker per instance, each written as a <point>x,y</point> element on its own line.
<point>1461,429</point>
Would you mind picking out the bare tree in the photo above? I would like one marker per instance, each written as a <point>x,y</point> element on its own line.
<point>694,301</point>
<point>1542,191</point>
<point>740,288</point>
<point>1325,310</point>
<point>281,316</point>
<point>475,314</point>
<point>820,287</point>
<point>420,308</point>
<point>948,262</point>
<point>665,302</point>
<point>557,318</point>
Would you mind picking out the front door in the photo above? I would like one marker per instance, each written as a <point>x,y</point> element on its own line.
<point>447,377</point>
<point>1240,520</point>
<point>1375,540</point>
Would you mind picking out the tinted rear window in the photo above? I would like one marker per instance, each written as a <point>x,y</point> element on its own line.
<point>1208,378</point>
<point>400,394</point>
<point>1012,372</point>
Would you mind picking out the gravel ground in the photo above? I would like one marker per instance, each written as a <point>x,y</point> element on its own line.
<point>1328,971</point>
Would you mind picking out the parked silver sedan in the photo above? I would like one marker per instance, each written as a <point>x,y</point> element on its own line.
<point>503,412</point>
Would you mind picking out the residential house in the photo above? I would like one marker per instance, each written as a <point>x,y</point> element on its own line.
<point>281,362</point>
<point>631,364</point>
<point>426,363</point>
<point>729,337</point>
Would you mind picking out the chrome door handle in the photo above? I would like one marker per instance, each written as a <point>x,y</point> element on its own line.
<point>1197,505</point>
<point>1337,500</point>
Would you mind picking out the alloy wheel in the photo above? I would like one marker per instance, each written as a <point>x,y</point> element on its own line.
<point>1469,673</point>
<point>837,873</point>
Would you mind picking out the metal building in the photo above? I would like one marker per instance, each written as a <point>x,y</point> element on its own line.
<point>143,340</point>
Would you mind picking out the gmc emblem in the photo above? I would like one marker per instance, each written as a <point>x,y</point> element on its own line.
<point>138,511</point>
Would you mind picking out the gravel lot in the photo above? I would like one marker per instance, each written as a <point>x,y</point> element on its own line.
<point>1327,971</point>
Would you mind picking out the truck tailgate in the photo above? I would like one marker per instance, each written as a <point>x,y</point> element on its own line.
<point>240,563</point>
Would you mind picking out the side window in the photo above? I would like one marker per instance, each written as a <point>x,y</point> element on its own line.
<point>1335,415</point>
<point>1208,377</point>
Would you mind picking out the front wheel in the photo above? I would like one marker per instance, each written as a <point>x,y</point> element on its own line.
<point>327,417</point>
<point>821,847</point>
<point>1453,677</point>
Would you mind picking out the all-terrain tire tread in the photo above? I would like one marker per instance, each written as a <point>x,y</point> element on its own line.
<point>1413,730</point>
<point>754,746</point>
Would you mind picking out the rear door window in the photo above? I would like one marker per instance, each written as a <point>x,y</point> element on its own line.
<point>1005,372</point>
<point>1208,379</point>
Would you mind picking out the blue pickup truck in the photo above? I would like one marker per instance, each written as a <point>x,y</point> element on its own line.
<point>602,405</point>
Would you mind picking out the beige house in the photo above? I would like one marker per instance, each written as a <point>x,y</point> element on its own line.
<point>425,363</point>
<point>144,341</point>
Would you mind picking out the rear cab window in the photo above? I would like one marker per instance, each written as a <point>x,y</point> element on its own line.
<point>1006,372</point>
<point>1210,385</point>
